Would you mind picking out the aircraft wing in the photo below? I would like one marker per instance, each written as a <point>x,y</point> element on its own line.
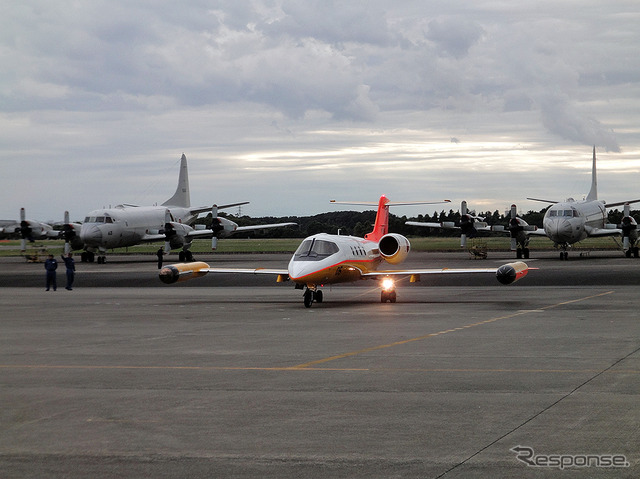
<point>209,233</point>
<point>207,209</point>
<point>433,225</point>
<point>603,232</point>
<point>149,238</point>
<point>620,203</point>
<point>263,227</point>
<point>184,271</point>
<point>506,274</point>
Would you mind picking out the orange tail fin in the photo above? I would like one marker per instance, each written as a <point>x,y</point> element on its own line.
<point>381,226</point>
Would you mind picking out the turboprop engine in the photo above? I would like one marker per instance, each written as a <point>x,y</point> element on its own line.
<point>175,234</point>
<point>394,248</point>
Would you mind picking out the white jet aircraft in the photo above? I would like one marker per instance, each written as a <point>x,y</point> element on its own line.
<point>129,225</point>
<point>571,221</point>
<point>327,259</point>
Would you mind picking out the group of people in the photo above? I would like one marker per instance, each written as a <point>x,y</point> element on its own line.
<point>51,265</point>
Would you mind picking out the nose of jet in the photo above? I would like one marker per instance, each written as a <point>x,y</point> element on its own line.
<point>298,269</point>
<point>558,229</point>
<point>91,234</point>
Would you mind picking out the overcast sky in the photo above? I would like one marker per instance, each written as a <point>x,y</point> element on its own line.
<point>288,104</point>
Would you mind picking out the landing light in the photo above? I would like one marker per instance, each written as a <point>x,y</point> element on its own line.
<point>388,284</point>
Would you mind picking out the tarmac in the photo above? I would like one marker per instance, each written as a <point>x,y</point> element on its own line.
<point>232,377</point>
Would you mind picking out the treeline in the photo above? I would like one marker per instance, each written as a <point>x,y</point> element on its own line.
<point>359,223</point>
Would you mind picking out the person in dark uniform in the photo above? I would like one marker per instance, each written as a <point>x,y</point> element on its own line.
<point>160,255</point>
<point>71,268</point>
<point>51,265</point>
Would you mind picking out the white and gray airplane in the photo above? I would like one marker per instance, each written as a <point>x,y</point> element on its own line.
<point>565,223</point>
<point>27,230</point>
<point>568,222</point>
<point>470,225</point>
<point>129,225</point>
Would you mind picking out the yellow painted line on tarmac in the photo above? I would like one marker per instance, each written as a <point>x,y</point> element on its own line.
<point>298,368</point>
<point>576,300</point>
<point>308,366</point>
<point>431,335</point>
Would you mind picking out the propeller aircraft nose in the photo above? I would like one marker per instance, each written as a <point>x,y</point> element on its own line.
<point>559,229</point>
<point>91,234</point>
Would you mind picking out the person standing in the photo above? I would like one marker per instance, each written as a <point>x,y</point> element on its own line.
<point>71,268</point>
<point>50,265</point>
<point>160,254</point>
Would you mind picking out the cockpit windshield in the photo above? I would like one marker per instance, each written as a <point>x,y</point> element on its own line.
<point>564,213</point>
<point>315,250</point>
<point>98,219</point>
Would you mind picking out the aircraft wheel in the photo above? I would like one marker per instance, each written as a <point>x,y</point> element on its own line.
<point>318,296</point>
<point>518,253</point>
<point>526,253</point>
<point>181,256</point>
<point>308,298</point>
<point>387,296</point>
<point>84,257</point>
<point>636,252</point>
<point>91,257</point>
<point>628,253</point>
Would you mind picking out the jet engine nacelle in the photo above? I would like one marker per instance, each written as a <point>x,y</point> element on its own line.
<point>182,272</point>
<point>394,248</point>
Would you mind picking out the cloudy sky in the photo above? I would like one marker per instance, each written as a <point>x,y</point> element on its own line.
<point>289,104</point>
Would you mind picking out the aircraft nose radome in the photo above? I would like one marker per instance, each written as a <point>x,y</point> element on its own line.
<point>298,269</point>
<point>559,230</point>
<point>91,234</point>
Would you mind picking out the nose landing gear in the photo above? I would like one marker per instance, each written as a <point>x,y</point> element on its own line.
<point>312,294</point>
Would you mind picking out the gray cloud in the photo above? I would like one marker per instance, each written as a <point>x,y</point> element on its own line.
<point>128,84</point>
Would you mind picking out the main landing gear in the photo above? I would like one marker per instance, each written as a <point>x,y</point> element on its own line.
<point>388,292</point>
<point>311,295</point>
<point>185,256</point>
<point>635,252</point>
<point>90,257</point>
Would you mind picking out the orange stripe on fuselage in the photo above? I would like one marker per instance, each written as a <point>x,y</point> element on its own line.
<point>343,272</point>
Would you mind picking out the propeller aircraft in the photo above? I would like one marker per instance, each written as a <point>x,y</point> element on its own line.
<point>568,222</point>
<point>129,225</point>
<point>28,230</point>
<point>470,224</point>
<point>324,259</point>
<point>565,223</point>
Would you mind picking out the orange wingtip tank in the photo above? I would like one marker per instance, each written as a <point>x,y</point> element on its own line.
<point>182,272</point>
<point>512,272</point>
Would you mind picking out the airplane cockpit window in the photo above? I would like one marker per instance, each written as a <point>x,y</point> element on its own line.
<point>98,219</point>
<point>564,213</point>
<point>315,250</point>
